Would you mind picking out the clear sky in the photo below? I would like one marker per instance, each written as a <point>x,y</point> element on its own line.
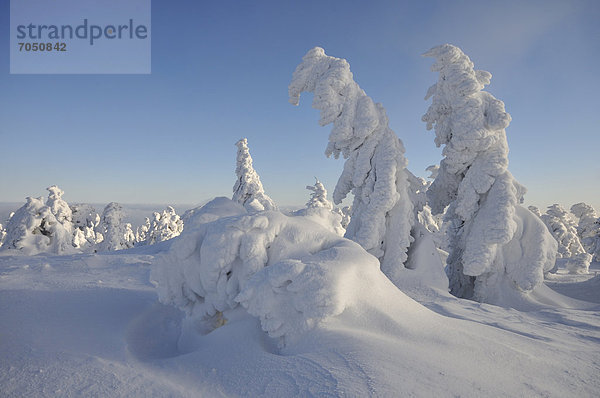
<point>220,71</point>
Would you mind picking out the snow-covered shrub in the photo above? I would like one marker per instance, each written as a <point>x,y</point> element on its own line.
<point>165,226</point>
<point>588,228</point>
<point>383,212</point>
<point>288,271</point>
<point>60,226</point>
<point>248,189</point>
<point>113,230</point>
<point>484,218</point>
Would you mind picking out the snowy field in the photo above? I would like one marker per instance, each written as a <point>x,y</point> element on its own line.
<point>91,325</point>
<point>447,287</point>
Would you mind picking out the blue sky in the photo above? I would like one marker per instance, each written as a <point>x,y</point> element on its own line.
<point>220,72</point>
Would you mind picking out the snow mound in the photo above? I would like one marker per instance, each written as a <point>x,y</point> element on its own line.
<point>289,271</point>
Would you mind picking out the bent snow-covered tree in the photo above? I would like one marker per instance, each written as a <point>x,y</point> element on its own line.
<point>487,225</point>
<point>375,168</point>
<point>248,190</point>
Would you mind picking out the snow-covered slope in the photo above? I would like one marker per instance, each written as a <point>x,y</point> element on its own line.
<point>90,325</point>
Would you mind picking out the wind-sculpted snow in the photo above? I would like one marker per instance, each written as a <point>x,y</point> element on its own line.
<point>288,271</point>
<point>375,168</point>
<point>474,181</point>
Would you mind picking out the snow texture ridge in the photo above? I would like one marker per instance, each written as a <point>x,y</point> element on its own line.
<point>375,168</point>
<point>474,181</point>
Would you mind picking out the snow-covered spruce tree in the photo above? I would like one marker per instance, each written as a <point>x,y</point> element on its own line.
<point>486,224</point>
<point>141,233</point>
<point>2,234</point>
<point>588,228</point>
<point>383,212</point>
<point>25,230</point>
<point>318,197</point>
<point>112,229</point>
<point>248,190</point>
<point>60,226</point>
<point>86,223</point>
<point>165,226</point>
<point>562,226</point>
<point>320,209</point>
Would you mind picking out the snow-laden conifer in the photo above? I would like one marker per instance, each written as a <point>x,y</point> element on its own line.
<point>26,228</point>
<point>318,197</point>
<point>141,233</point>
<point>2,234</point>
<point>473,180</point>
<point>588,228</point>
<point>60,226</point>
<point>375,168</point>
<point>320,209</point>
<point>248,190</point>
<point>165,226</point>
<point>113,229</point>
<point>562,226</point>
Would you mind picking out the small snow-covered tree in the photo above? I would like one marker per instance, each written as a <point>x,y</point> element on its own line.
<point>60,226</point>
<point>112,229</point>
<point>86,222</point>
<point>320,209</point>
<point>484,218</point>
<point>383,212</point>
<point>248,190</point>
<point>562,226</point>
<point>165,226</point>
<point>141,233</point>
<point>39,227</point>
<point>318,197</point>
<point>588,228</point>
<point>26,228</point>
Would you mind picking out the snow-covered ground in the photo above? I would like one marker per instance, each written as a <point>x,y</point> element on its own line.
<point>91,325</point>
